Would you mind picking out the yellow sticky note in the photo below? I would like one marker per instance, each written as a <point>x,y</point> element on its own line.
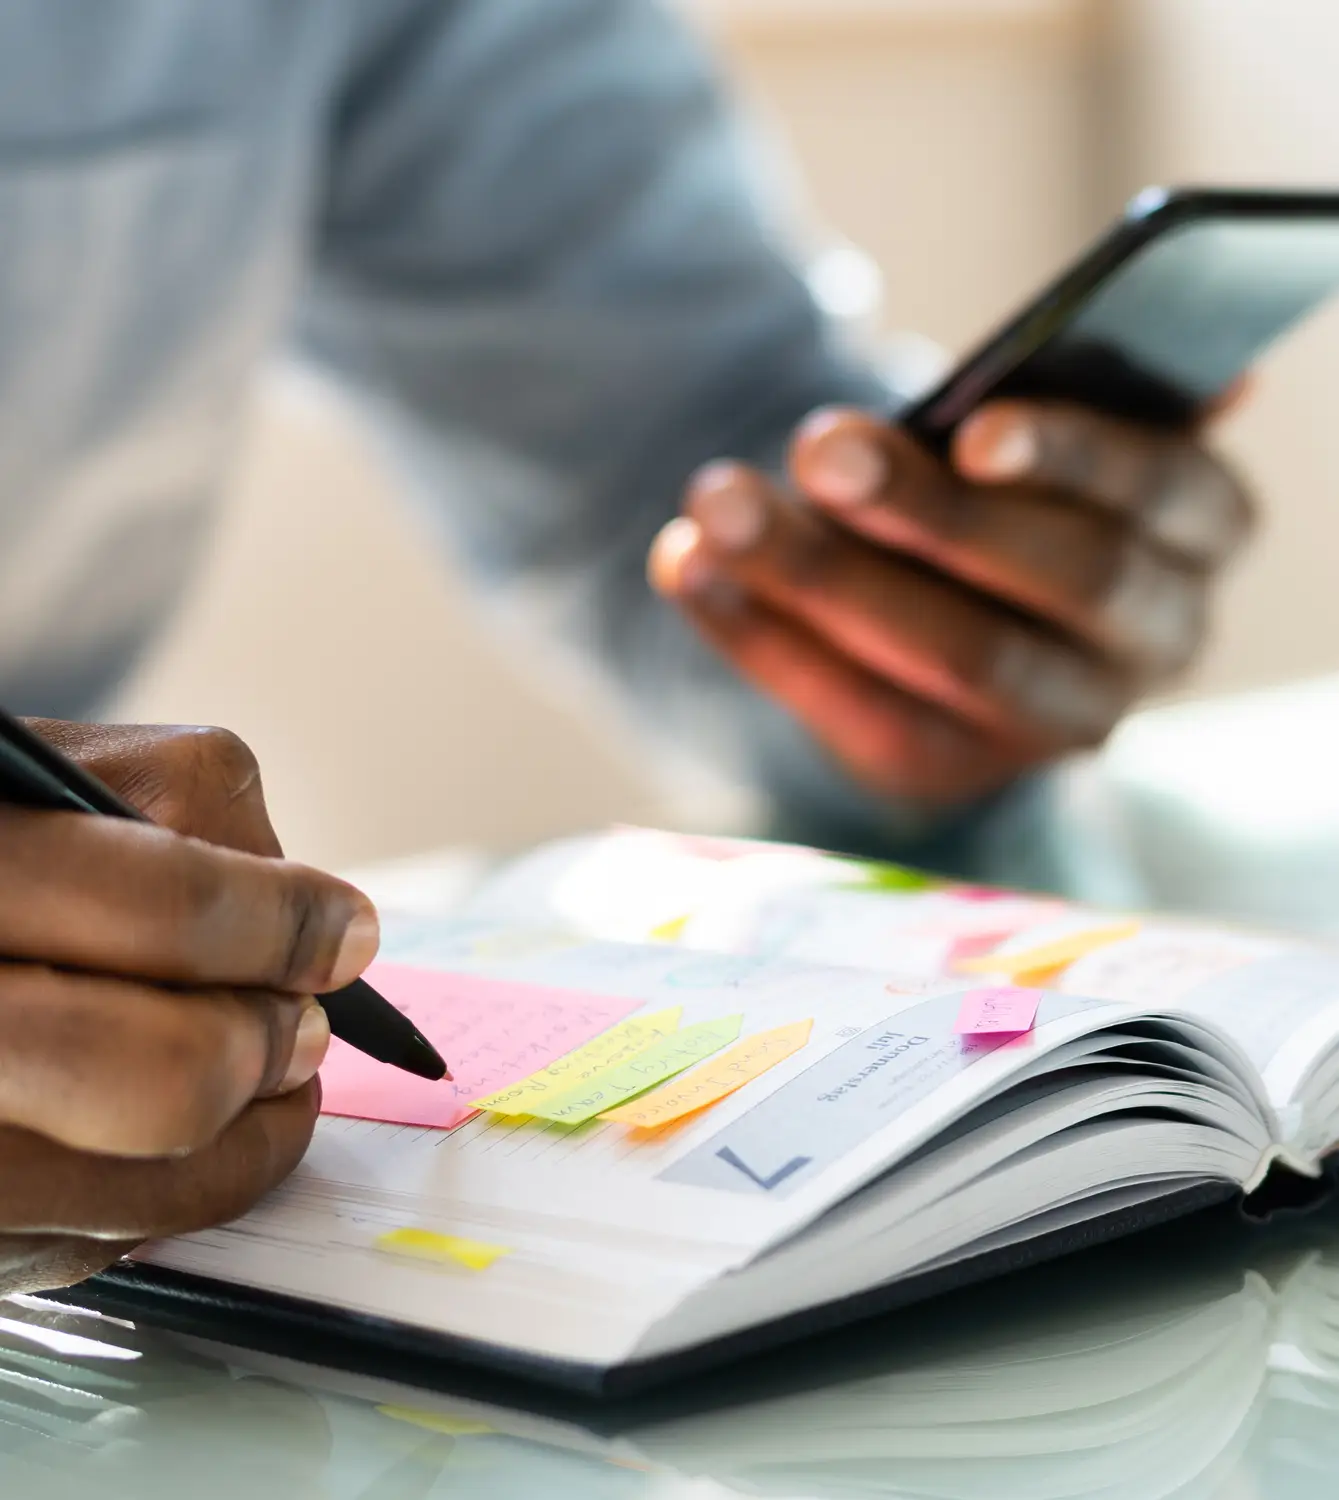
<point>669,932</point>
<point>673,1054</point>
<point>430,1421</point>
<point>445,1249</point>
<point>1052,956</point>
<point>610,1049</point>
<point>715,1080</point>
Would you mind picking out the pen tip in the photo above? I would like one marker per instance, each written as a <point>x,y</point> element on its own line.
<point>424,1060</point>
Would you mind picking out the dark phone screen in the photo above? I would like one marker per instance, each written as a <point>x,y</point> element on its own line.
<point>1169,329</point>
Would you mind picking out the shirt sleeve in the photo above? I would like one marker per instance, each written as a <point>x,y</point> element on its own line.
<point>540,258</point>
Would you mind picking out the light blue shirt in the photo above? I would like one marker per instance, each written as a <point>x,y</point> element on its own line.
<point>521,230</point>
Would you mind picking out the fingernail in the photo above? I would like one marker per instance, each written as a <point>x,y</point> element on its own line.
<point>732,514</point>
<point>358,947</point>
<point>309,1049</point>
<point>1001,449</point>
<point>677,565</point>
<point>1201,517</point>
<point>1057,692</point>
<point>847,470</point>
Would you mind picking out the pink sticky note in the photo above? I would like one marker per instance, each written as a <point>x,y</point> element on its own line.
<point>982,893</point>
<point>492,1032</point>
<point>975,945</point>
<point>997,1012</point>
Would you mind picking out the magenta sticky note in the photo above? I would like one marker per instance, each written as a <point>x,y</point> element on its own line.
<point>492,1032</point>
<point>997,1012</point>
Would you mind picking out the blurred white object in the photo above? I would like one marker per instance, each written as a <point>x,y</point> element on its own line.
<point>423,885</point>
<point>1231,806</point>
<point>847,284</point>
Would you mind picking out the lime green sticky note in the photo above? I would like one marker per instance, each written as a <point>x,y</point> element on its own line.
<point>658,1062</point>
<point>618,1045</point>
<point>878,876</point>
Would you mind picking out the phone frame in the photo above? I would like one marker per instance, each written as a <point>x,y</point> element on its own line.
<point>1148,216</point>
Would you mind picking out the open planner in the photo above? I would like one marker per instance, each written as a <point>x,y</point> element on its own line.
<point>712,1094</point>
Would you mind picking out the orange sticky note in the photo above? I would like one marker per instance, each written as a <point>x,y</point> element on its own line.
<point>1050,956</point>
<point>715,1080</point>
<point>998,1012</point>
<point>1040,979</point>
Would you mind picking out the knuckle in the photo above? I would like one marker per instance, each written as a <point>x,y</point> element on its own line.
<point>1199,507</point>
<point>1155,612</point>
<point>286,918</point>
<point>1069,448</point>
<point>304,931</point>
<point>952,510</point>
<point>206,901</point>
<point>1056,691</point>
<point>224,759</point>
<point>807,551</point>
<point>1094,559</point>
<point>205,1067</point>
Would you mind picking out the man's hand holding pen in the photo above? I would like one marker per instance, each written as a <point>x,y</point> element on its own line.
<point>160,1040</point>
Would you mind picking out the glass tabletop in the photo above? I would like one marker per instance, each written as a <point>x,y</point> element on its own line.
<point>1199,1361</point>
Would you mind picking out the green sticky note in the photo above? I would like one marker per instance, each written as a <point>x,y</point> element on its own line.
<point>658,1062</point>
<point>877,876</point>
<point>618,1045</point>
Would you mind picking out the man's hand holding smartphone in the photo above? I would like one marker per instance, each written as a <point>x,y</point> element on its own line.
<point>942,627</point>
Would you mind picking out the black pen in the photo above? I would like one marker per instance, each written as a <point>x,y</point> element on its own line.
<point>34,773</point>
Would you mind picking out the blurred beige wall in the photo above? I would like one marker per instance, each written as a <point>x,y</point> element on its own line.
<point>1245,91</point>
<point>970,146</point>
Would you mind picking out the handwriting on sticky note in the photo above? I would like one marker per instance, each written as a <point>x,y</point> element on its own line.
<point>658,1062</point>
<point>610,1049</point>
<point>998,1012</point>
<point>491,1032</point>
<point>1057,955</point>
<point>714,1080</point>
<point>445,1249</point>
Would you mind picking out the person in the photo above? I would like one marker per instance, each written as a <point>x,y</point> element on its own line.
<point>523,234</point>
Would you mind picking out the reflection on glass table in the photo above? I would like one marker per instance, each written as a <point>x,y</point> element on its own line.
<point>1205,1364</point>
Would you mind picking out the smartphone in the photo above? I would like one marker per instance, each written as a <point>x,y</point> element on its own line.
<point>1162,316</point>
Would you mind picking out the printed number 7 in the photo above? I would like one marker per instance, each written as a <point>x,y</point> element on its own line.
<point>794,1165</point>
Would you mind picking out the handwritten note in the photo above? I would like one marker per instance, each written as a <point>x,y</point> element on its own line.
<point>491,1032</point>
<point>998,1012</point>
<point>715,1080</point>
<point>614,1047</point>
<point>657,1063</point>
<point>445,1249</point>
<point>1061,953</point>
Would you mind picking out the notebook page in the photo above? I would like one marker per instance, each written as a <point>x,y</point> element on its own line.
<point>1278,998</point>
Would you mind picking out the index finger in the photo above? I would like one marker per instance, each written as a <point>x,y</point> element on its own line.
<point>136,900</point>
